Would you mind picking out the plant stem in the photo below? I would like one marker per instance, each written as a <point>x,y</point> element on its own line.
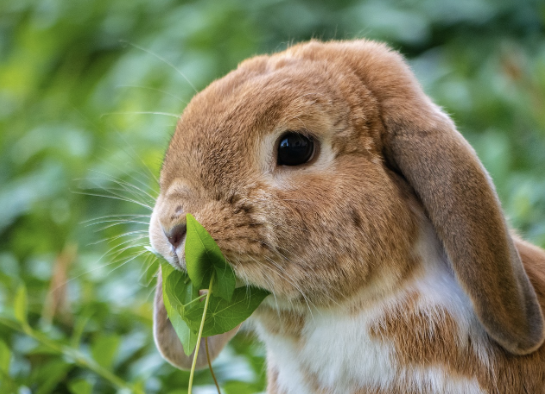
<point>210,365</point>
<point>199,337</point>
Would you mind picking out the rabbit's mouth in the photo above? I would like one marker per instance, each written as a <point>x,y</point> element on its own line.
<point>177,262</point>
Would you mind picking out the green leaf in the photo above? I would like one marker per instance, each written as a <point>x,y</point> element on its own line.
<point>79,327</point>
<point>203,257</point>
<point>104,349</point>
<point>174,287</point>
<point>5,358</point>
<point>48,375</point>
<point>42,349</point>
<point>80,386</point>
<point>239,387</point>
<point>139,386</point>
<point>20,305</point>
<point>224,285</point>
<point>223,315</point>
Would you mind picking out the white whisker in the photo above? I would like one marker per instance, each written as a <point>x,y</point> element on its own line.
<point>112,216</point>
<point>115,198</point>
<point>116,223</point>
<point>166,62</point>
<point>115,237</point>
<point>177,116</point>
<point>141,161</point>
<point>129,187</point>
<point>153,89</point>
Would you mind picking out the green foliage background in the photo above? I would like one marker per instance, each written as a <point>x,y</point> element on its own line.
<point>79,81</point>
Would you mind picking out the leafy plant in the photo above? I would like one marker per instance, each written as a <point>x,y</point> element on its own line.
<point>224,306</point>
<point>81,110</point>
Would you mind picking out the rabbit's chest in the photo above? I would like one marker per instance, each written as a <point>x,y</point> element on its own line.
<point>329,354</point>
<point>376,351</point>
<point>339,357</point>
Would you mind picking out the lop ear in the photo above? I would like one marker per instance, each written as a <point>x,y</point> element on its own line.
<point>457,193</point>
<point>169,344</point>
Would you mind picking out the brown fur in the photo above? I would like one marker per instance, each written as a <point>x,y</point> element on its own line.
<point>284,322</point>
<point>424,145</point>
<point>217,174</point>
<point>408,328</point>
<point>347,222</point>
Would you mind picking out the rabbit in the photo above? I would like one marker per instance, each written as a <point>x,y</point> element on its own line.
<point>328,177</point>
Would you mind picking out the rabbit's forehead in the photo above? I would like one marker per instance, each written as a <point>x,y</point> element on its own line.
<point>226,129</point>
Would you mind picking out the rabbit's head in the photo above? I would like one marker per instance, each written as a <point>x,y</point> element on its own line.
<point>305,165</point>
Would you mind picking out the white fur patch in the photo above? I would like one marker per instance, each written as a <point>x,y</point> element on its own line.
<point>437,380</point>
<point>337,353</point>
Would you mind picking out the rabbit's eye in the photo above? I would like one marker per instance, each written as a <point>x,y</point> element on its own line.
<point>294,149</point>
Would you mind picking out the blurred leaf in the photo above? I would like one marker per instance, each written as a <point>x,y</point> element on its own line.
<point>42,349</point>
<point>80,386</point>
<point>5,358</point>
<point>139,386</point>
<point>79,327</point>
<point>104,349</point>
<point>20,305</point>
<point>237,387</point>
<point>49,374</point>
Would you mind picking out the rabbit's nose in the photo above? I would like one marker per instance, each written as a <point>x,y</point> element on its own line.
<point>176,235</point>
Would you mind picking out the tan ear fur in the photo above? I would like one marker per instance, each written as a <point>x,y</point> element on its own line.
<point>169,344</point>
<point>422,143</point>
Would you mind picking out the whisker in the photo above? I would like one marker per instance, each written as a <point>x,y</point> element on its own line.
<point>177,116</point>
<point>271,284</point>
<point>135,154</point>
<point>299,290</point>
<point>153,89</point>
<point>125,215</point>
<point>100,266</point>
<point>117,223</point>
<point>113,220</point>
<point>129,187</point>
<point>115,237</point>
<point>122,247</point>
<point>116,191</point>
<point>165,61</point>
<point>279,272</point>
<point>125,234</point>
<point>115,254</point>
<point>114,198</point>
<point>129,259</point>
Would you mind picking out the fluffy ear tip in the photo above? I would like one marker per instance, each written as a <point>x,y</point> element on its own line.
<point>527,347</point>
<point>537,340</point>
<point>529,343</point>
